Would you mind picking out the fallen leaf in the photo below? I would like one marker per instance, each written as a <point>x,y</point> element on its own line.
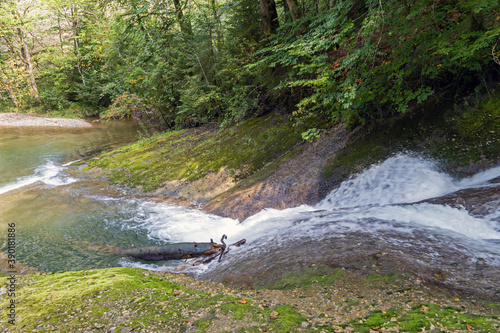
<point>242,301</point>
<point>112,276</point>
<point>469,327</point>
<point>329,309</point>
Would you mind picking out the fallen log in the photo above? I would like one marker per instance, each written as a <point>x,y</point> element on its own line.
<point>179,251</point>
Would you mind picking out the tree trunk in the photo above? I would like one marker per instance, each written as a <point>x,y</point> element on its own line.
<point>286,10</point>
<point>75,23</point>
<point>183,22</point>
<point>273,12</point>
<point>11,93</point>
<point>269,16</point>
<point>294,9</point>
<point>265,17</point>
<point>26,58</point>
<point>218,26</point>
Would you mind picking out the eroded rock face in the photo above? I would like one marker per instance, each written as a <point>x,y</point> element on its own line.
<point>295,181</point>
<point>200,191</point>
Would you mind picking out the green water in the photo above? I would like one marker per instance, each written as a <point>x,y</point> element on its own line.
<point>62,221</point>
<point>22,150</point>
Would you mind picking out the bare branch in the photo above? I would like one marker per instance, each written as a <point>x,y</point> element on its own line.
<point>495,59</point>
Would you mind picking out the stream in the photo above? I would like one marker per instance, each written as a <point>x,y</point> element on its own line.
<point>403,212</point>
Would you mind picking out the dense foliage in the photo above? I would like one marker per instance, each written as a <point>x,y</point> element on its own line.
<point>185,63</point>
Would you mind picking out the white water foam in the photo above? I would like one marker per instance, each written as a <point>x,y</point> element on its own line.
<point>48,173</point>
<point>179,224</point>
<point>381,197</point>
<point>479,179</point>
<point>71,162</point>
<point>436,217</point>
<point>399,179</point>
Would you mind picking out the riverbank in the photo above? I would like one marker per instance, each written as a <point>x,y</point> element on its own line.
<point>264,162</point>
<point>27,120</point>
<point>333,285</point>
<point>314,299</point>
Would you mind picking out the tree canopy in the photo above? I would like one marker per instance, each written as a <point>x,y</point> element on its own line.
<point>189,62</point>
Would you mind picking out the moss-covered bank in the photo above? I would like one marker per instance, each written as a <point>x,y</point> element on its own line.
<point>264,162</point>
<point>311,300</point>
<point>258,160</point>
<point>465,137</point>
<point>193,154</point>
<point>127,299</point>
<point>205,165</point>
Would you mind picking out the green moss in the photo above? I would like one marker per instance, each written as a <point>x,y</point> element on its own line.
<point>133,299</point>
<point>204,322</point>
<point>352,302</point>
<point>423,316</point>
<point>458,135</point>
<point>189,155</point>
<point>388,278</point>
<point>375,319</point>
<point>237,309</point>
<point>287,320</point>
<point>73,300</point>
<point>318,274</point>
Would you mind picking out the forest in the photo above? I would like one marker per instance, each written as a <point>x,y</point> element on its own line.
<point>184,63</point>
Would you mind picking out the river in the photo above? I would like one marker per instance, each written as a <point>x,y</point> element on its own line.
<point>403,212</point>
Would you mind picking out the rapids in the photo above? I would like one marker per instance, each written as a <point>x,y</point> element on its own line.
<point>404,209</point>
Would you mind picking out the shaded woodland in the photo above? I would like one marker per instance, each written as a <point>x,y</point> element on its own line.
<point>184,63</point>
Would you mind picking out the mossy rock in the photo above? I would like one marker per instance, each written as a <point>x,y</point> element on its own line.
<point>465,138</point>
<point>319,274</point>
<point>130,299</point>
<point>189,155</point>
<point>424,317</point>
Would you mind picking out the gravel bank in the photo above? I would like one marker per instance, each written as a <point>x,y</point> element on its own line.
<point>26,120</point>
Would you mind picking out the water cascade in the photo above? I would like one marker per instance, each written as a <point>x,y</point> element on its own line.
<point>404,206</point>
